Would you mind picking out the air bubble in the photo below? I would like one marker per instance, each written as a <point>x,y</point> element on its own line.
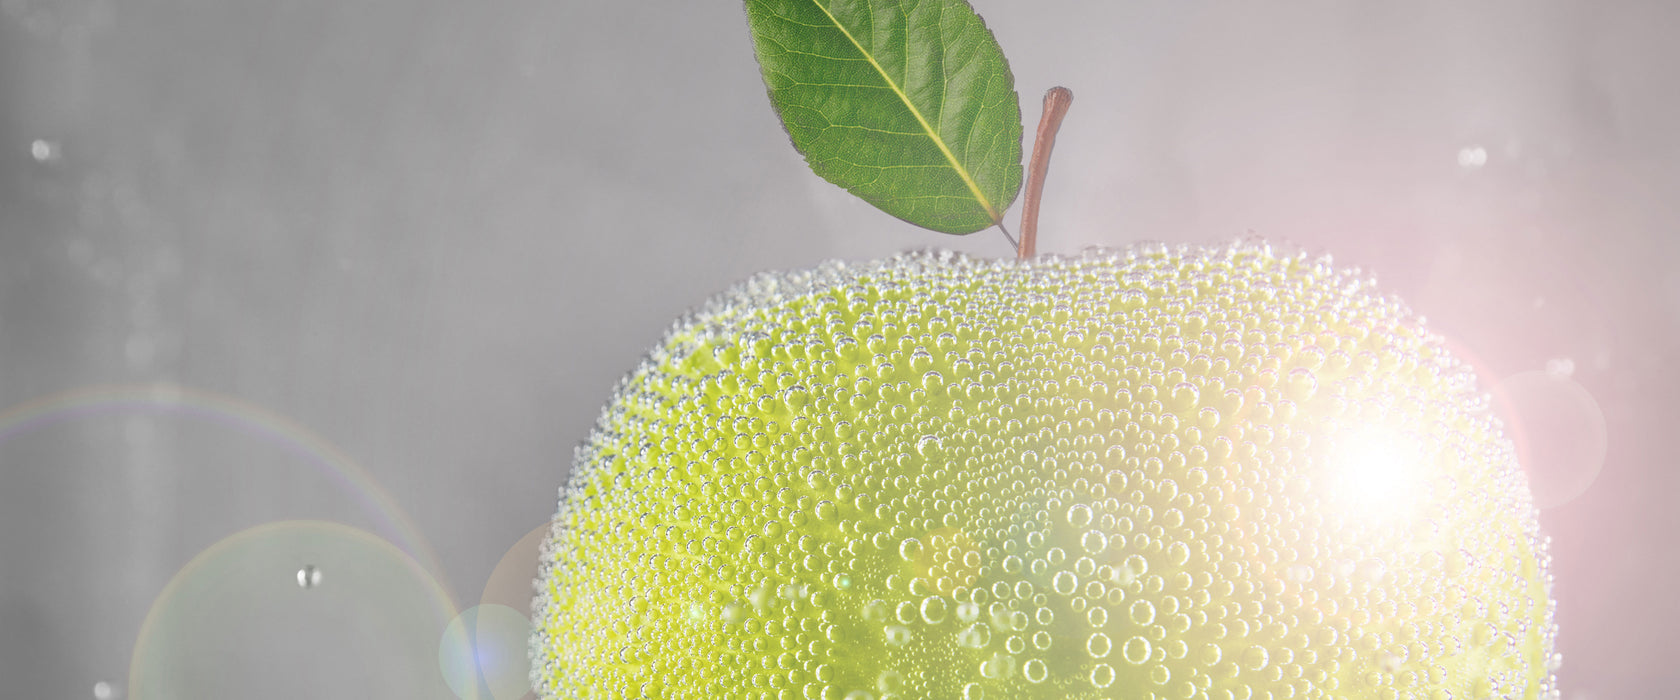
<point>43,151</point>
<point>1141,612</point>
<point>975,636</point>
<point>308,577</point>
<point>1136,650</point>
<point>934,609</point>
<point>1302,384</point>
<point>1098,645</point>
<point>897,635</point>
<point>1034,671</point>
<point>910,549</point>
<point>1185,396</point>
<point>1178,553</point>
<point>1015,644</point>
<point>889,681</point>
<point>1102,675</point>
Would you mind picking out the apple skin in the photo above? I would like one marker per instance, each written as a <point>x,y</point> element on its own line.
<point>1192,472</point>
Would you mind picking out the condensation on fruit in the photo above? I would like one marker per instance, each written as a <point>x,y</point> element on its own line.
<point>1165,472</point>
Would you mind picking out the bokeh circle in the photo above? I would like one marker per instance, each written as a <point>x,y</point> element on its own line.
<point>502,620</point>
<point>485,653</point>
<point>1559,431</point>
<point>234,620</point>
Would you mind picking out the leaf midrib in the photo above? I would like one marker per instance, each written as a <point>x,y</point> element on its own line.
<point>962,172</point>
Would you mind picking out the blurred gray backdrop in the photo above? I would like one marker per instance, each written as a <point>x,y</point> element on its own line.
<point>270,265</point>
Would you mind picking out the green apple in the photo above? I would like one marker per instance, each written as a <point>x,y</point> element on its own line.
<point>1159,473</point>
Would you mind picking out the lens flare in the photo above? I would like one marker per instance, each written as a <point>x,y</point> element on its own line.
<point>169,400</point>
<point>235,618</point>
<point>483,654</point>
<point>1377,472</point>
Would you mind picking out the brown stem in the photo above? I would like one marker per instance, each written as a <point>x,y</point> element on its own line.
<point>1056,102</point>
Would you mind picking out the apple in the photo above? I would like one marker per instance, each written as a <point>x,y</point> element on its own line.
<point>1189,472</point>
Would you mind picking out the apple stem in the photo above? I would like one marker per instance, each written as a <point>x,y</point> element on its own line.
<point>1056,102</point>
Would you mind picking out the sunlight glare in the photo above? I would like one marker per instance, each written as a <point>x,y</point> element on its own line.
<point>1377,471</point>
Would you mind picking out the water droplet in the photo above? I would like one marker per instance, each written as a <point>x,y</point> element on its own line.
<point>103,691</point>
<point>973,691</point>
<point>308,577</point>
<point>1079,515</point>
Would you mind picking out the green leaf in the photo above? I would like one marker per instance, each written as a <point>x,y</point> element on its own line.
<point>908,104</point>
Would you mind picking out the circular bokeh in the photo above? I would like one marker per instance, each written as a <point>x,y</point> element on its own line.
<point>235,620</point>
<point>509,589</point>
<point>485,653</point>
<point>236,415</point>
<point>1559,431</point>
<point>511,582</point>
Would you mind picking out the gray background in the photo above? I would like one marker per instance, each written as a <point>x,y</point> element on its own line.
<point>427,238</point>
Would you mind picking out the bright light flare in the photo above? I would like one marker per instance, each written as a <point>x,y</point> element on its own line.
<point>1377,472</point>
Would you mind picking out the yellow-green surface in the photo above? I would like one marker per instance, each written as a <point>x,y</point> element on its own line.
<point>1174,473</point>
